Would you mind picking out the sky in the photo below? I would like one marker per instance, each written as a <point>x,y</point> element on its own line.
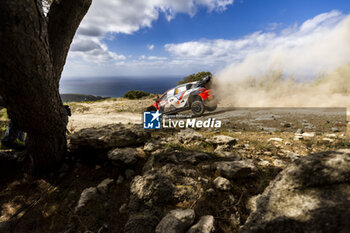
<point>177,38</point>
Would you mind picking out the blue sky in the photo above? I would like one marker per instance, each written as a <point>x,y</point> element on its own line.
<point>160,37</point>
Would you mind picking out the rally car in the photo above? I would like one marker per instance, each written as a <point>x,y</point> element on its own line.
<point>195,96</point>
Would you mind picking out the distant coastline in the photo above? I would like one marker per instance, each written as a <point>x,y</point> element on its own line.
<point>81,98</point>
<point>116,86</point>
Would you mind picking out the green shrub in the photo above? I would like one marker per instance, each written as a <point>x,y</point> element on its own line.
<point>135,94</point>
<point>194,77</point>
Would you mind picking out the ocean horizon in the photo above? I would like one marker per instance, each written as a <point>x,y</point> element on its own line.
<point>117,86</point>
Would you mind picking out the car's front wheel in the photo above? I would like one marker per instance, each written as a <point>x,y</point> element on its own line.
<point>197,108</point>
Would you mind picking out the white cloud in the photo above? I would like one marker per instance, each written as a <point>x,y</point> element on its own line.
<point>318,45</point>
<point>92,50</point>
<point>117,16</point>
<point>150,46</point>
<point>120,16</point>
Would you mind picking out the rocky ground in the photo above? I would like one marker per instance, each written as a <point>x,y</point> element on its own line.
<point>120,178</point>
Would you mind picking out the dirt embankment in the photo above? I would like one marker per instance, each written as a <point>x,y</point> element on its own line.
<point>110,111</point>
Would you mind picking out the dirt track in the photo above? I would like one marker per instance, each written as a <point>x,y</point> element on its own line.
<point>95,114</point>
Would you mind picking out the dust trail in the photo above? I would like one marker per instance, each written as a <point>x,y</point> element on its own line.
<point>305,66</point>
<point>274,90</point>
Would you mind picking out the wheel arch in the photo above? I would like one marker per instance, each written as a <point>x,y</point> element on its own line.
<point>193,98</point>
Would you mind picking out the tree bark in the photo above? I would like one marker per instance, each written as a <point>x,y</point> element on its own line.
<point>31,62</point>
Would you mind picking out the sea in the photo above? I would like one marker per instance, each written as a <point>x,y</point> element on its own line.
<point>116,86</point>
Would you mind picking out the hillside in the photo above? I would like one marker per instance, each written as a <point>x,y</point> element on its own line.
<point>118,177</point>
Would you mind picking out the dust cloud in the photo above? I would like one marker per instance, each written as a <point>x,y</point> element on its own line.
<point>275,90</point>
<point>307,66</point>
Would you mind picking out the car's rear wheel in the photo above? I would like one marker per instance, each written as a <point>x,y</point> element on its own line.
<point>197,108</point>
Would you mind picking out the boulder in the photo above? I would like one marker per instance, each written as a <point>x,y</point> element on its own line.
<point>127,156</point>
<point>235,169</point>
<point>222,184</point>
<point>176,221</point>
<point>204,225</point>
<point>196,158</point>
<point>104,185</point>
<point>275,139</point>
<point>109,136</point>
<point>188,135</point>
<point>152,187</point>
<point>307,135</point>
<point>150,146</point>
<point>222,140</point>
<point>310,195</point>
<point>335,129</point>
<point>143,222</point>
<point>86,195</point>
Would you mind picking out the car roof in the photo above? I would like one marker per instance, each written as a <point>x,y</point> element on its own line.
<point>185,84</point>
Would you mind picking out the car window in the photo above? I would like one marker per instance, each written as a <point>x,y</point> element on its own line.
<point>188,86</point>
<point>163,97</point>
<point>170,93</point>
<point>180,89</point>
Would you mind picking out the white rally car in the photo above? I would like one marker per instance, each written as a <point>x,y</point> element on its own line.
<point>195,96</point>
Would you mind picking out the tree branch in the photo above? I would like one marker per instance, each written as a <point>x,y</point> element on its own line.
<point>63,20</point>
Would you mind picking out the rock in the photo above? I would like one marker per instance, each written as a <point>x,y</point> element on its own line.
<point>86,195</point>
<point>286,124</point>
<point>222,184</point>
<point>235,169</point>
<point>275,139</point>
<point>210,192</point>
<point>129,173</point>
<point>331,135</point>
<point>176,221</point>
<point>310,195</point>
<point>264,163</point>
<point>308,135</point>
<point>222,140</point>
<point>153,187</point>
<point>225,151</point>
<point>204,225</point>
<point>189,135</point>
<point>149,147</point>
<point>335,129</point>
<point>164,156</point>
<point>120,179</point>
<point>104,185</point>
<point>300,131</point>
<point>328,139</point>
<point>109,136</point>
<point>291,155</point>
<point>144,222</point>
<point>196,158</point>
<point>251,203</point>
<point>235,219</point>
<point>269,129</point>
<point>127,156</point>
<point>279,163</point>
<point>298,137</point>
<point>123,208</point>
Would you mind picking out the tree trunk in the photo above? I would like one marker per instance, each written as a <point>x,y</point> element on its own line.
<point>31,62</point>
